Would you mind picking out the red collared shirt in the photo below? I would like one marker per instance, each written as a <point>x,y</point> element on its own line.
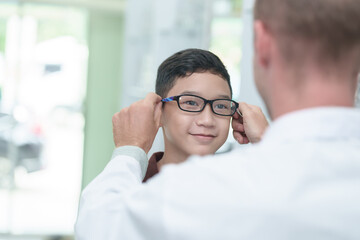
<point>153,169</point>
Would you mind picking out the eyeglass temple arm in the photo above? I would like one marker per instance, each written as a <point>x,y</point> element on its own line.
<point>237,110</point>
<point>169,99</point>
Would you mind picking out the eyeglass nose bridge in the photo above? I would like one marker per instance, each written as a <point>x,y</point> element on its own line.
<point>210,103</point>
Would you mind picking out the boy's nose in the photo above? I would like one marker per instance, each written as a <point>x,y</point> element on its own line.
<point>206,117</point>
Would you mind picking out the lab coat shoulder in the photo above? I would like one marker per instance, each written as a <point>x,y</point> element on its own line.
<point>111,204</point>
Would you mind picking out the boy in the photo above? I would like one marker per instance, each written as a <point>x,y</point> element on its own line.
<point>190,125</point>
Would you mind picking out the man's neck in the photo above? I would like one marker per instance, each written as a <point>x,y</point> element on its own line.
<point>314,90</point>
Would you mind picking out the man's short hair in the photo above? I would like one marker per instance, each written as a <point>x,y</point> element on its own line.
<point>332,26</point>
<point>185,63</point>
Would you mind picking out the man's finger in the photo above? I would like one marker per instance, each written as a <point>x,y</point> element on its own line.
<point>237,137</point>
<point>158,112</point>
<point>152,98</point>
<point>243,108</point>
<point>240,138</point>
<point>238,112</point>
<point>236,115</point>
<point>238,126</point>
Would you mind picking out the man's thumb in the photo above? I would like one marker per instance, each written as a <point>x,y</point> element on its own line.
<point>157,113</point>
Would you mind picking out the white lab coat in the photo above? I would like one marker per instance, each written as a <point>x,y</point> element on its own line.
<point>301,182</point>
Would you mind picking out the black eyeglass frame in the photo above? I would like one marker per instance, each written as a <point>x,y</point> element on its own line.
<point>176,98</point>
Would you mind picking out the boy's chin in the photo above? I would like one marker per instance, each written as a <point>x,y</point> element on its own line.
<point>201,151</point>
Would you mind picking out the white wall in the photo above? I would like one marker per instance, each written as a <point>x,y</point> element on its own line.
<point>248,91</point>
<point>154,30</point>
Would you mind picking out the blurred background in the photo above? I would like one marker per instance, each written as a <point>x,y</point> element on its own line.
<point>67,66</point>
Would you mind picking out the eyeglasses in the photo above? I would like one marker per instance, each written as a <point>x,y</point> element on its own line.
<point>192,103</point>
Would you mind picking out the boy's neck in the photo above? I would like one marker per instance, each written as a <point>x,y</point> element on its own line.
<point>172,156</point>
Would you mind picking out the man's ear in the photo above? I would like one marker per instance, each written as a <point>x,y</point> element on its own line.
<point>262,43</point>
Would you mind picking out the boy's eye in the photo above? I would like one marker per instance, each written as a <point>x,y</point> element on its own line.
<point>191,103</point>
<point>222,106</point>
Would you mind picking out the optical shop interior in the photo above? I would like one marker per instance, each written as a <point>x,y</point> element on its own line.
<point>66,66</point>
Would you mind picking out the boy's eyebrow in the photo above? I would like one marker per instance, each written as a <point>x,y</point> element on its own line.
<point>221,96</point>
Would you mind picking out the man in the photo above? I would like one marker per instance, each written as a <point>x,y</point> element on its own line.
<point>301,181</point>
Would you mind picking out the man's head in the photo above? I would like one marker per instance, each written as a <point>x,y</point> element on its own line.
<point>200,73</point>
<point>296,38</point>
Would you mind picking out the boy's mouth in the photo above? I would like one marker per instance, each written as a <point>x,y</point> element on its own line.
<point>203,138</point>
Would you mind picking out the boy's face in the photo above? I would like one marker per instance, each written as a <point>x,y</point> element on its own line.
<point>196,133</point>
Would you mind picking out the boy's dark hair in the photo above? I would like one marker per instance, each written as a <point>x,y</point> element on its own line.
<point>185,63</point>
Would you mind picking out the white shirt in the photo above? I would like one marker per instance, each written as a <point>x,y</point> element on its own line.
<point>301,182</point>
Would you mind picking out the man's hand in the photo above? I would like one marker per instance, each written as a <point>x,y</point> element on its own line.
<point>250,126</point>
<point>138,124</point>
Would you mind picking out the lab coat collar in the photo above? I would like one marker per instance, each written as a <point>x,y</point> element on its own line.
<point>330,123</point>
